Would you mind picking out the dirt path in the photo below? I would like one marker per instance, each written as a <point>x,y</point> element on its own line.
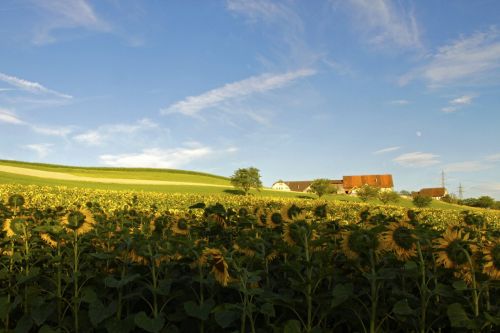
<point>66,176</point>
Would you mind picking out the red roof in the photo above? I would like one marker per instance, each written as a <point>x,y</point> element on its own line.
<point>382,181</point>
<point>434,192</point>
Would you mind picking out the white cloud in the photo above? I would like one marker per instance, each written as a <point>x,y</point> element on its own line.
<point>33,87</point>
<point>493,157</point>
<point>7,116</point>
<point>42,149</point>
<point>191,105</point>
<point>52,131</point>
<point>449,109</point>
<point>467,59</point>
<point>386,22</point>
<point>467,166</point>
<point>102,133</point>
<point>158,158</point>
<point>417,159</point>
<point>64,14</point>
<point>386,150</point>
<point>400,102</point>
<point>465,99</point>
<point>418,133</point>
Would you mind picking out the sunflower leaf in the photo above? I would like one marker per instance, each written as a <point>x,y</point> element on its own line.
<point>153,325</point>
<point>341,293</point>
<point>292,326</point>
<point>457,315</point>
<point>402,308</point>
<point>200,311</point>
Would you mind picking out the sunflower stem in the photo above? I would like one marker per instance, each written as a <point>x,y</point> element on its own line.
<point>373,294</point>
<point>423,290</point>
<point>475,296</point>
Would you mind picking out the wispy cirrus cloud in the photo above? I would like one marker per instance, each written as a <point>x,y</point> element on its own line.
<point>192,105</point>
<point>386,23</point>
<point>7,116</point>
<point>472,59</point>
<point>64,14</point>
<point>493,157</point>
<point>42,149</point>
<point>158,158</point>
<point>102,134</point>
<point>400,102</point>
<point>30,86</point>
<point>61,131</point>
<point>417,159</point>
<point>467,166</point>
<point>386,150</point>
<point>457,103</point>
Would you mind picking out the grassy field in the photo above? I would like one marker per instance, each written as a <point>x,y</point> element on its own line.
<point>165,175</point>
<point>126,173</point>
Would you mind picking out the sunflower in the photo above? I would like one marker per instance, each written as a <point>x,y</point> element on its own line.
<point>492,261</point>
<point>15,226</point>
<point>219,265</point>
<point>292,212</point>
<point>359,242</point>
<point>48,239</point>
<point>274,219</point>
<point>243,250</point>
<point>217,219</point>
<point>400,239</point>
<point>294,233</point>
<point>453,249</point>
<point>80,221</point>
<point>260,216</point>
<point>180,226</point>
<point>272,256</point>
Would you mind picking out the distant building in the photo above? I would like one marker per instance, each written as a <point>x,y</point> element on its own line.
<point>433,192</point>
<point>302,185</point>
<point>352,183</point>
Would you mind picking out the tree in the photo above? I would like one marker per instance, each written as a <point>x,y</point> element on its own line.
<point>388,196</point>
<point>422,201</point>
<point>322,186</point>
<point>367,192</point>
<point>485,201</point>
<point>246,178</point>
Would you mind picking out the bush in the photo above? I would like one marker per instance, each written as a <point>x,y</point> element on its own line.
<point>422,201</point>
<point>388,196</point>
<point>367,192</point>
<point>322,187</point>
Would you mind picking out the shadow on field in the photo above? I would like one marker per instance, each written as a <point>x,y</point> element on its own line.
<point>305,197</point>
<point>234,192</point>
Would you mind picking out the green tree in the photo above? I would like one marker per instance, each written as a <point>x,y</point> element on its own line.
<point>367,192</point>
<point>246,178</point>
<point>388,196</point>
<point>422,201</point>
<point>322,186</point>
<point>485,201</point>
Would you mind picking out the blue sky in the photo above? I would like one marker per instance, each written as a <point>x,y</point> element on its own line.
<point>298,89</point>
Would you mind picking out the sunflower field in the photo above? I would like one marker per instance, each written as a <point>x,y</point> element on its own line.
<point>77,260</point>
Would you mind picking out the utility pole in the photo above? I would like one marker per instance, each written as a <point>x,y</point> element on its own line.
<point>460,191</point>
<point>442,179</point>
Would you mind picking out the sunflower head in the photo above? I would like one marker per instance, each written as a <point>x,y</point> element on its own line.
<point>401,240</point>
<point>274,219</point>
<point>473,220</point>
<point>492,261</point>
<point>16,226</point>
<point>359,243</point>
<point>48,239</point>
<point>291,212</point>
<point>454,249</point>
<point>79,221</point>
<point>296,232</point>
<point>215,259</point>
<point>321,211</point>
<point>16,201</point>
<point>243,212</point>
<point>180,226</point>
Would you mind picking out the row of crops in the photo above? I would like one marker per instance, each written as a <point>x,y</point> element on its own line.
<point>74,260</point>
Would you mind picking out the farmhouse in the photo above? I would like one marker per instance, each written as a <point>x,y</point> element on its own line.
<point>302,185</point>
<point>433,192</point>
<point>352,183</point>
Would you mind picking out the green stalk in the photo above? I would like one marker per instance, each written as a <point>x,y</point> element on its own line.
<point>475,296</point>
<point>308,286</point>
<point>373,295</point>
<point>75,281</point>
<point>423,290</point>
<point>59,284</point>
